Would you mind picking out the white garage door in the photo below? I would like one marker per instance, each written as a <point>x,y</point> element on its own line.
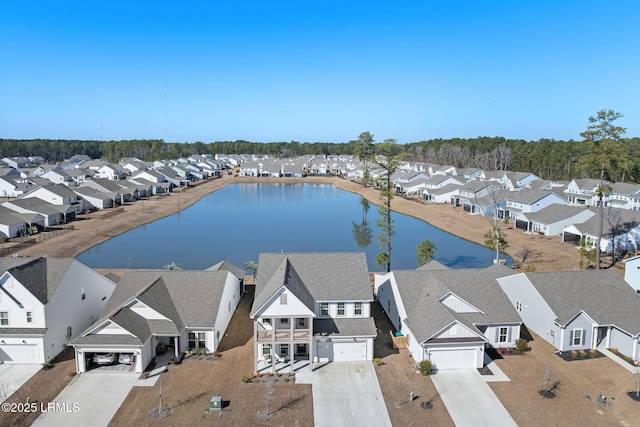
<point>453,358</point>
<point>349,351</point>
<point>18,353</point>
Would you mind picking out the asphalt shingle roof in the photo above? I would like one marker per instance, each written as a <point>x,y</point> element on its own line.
<point>350,327</point>
<point>337,276</point>
<point>602,294</point>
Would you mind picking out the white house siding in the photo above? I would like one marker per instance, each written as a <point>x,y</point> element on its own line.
<point>456,330</point>
<point>390,300</point>
<point>458,305</point>
<point>556,228</point>
<point>228,303</point>
<point>21,349</point>
<point>536,313</point>
<point>632,272</point>
<point>581,322</point>
<point>12,230</point>
<point>622,341</point>
<point>455,356</point>
<point>293,308</point>
<point>67,308</point>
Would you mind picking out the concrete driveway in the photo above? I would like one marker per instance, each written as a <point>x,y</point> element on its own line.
<point>90,399</point>
<point>13,376</point>
<point>348,394</point>
<point>469,399</point>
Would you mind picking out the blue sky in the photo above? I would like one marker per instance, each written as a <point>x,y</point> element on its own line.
<point>316,71</point>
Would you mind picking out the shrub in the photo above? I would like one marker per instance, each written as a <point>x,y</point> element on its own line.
<point>582,354</point>
<point>522,344</point>
<point>593,353</point>
<point>46,366</point>
<point>245,379</point>
<point>573,354</point>
<point>377,361</point>
<point>613,350</point>
<point>426,367</point>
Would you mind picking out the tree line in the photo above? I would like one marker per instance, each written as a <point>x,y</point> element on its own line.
<point>547,158</point>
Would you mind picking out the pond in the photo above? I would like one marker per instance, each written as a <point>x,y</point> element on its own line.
<point>240,221</point>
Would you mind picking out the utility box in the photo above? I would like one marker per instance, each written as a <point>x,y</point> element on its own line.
<point>216,403</point>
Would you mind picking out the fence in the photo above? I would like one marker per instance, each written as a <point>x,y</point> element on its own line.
<point>30,241</point>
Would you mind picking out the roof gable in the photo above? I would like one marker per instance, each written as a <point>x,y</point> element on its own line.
<point>457,304</point>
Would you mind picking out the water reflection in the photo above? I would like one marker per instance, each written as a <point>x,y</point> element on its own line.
<point>362,232</point>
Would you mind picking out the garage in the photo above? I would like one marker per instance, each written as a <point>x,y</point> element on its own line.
<point>453,358</point>
<point>345,351</point>
<point>19,353</point>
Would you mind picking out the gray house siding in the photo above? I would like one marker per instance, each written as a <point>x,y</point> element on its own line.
<point>492,333</point>
<point>580,323</point>
<point>535,313</point>
<point>622,341</point>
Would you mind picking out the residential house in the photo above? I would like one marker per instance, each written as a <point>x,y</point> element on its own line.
<point>449,316</point>
<point>527,200</point>
<point>154,310</point>
<point>624,196</point>
<point>59,176</point>
<point>111,171</point>
<point>578,310</point>
<point>13,187</point>
<point>582,192</point>
<point>52,214</point>
<point>621,232</point>
<point>59,195</point>
<point>311,307</point>
<point>553,219</point>
<point>14,224</point>
<point>44,304</point>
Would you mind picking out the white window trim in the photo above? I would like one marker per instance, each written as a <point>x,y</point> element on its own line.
<point>344,310</point>
<point>4,318</point>
<point>355,309</point>
<point>321,309</point>
<point>573,337</point>
<point>518,306</point>
<point>501,336</point>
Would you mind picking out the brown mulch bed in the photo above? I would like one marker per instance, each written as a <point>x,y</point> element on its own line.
<point>188,387</point>
<point>574,355</point>
<point>43,388</point>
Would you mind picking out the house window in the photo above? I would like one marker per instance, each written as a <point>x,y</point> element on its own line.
<point>83,295</point>
<point>518,306</point>
<point>29,316</point>
<point>302,322</point>
<point>284,350</point>
<point>577,337</point>
<point>266,321</point>
<point>4,318</point>
<point>341,311</point>
<point>324,309</point>
<point>502,335</point>
<point>357,309</point>
<point>197,340</point>
<point>283,299</point>
<point>266,350</point>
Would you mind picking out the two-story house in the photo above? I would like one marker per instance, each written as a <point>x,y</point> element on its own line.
<point>44,304</point>
<point>311,307</point>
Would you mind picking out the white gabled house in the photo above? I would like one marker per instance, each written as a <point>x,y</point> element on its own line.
<point>155,309</point>
<point>311,307</point>
<point>449,316</point>
<point>44,304</point>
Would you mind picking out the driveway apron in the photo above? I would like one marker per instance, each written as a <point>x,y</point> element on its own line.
<point>469,399</point>
<point>90,399</point>
<point>348,394</point>
<point>12,377</point>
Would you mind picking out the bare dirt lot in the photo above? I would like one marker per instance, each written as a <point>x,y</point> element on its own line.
<point>580,384</point>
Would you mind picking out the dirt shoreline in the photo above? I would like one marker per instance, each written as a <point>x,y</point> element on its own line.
<point>549,253</point>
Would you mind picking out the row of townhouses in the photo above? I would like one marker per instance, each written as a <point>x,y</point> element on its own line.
<point>551,208</point>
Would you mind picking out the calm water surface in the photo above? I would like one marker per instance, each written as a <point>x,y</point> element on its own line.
<point>239,221</point>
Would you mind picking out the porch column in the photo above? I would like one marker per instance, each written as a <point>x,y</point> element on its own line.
<point>635,349</point>
<point>609,337</point>
<point>175,347</point>
<point>292,347</point>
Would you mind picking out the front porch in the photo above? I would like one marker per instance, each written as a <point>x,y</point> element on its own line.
<point>283,357</point>
<point>283,367</point>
